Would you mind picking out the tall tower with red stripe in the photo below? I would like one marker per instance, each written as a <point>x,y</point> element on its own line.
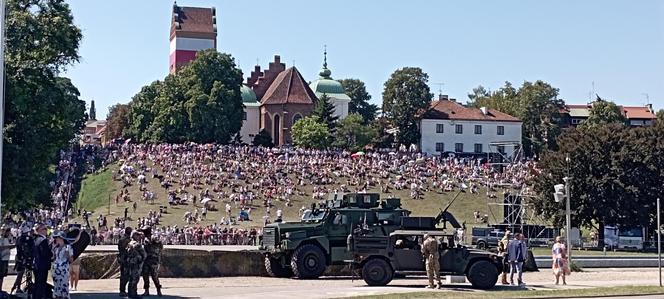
<point>192,29</point>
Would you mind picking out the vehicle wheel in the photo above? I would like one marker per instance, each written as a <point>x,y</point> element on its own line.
<point>377,272</point>
<point>275,269</point>
<point>308,261</point>
<point>483,275</point>
<point>481,245</point>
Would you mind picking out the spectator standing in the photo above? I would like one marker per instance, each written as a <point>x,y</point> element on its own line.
<point>560,264</point>
<point>502,251</point>
<point>24,255</point>
<point>517,255</point>
<point>42,262</point>
<point>63,255</point>
<point>5,253</point>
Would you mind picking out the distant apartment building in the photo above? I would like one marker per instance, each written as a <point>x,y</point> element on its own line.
<point>636,116</point>
<point>448,127</point>
<point>94,132</point>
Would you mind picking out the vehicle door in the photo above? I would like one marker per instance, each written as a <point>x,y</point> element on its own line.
<point>407,253</point>
<point>452,259</point>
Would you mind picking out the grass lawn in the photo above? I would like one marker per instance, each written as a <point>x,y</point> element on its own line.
<point>608,291</point>
<point>96,189</point>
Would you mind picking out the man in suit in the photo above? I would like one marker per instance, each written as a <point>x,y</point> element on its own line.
<point>42,262</point>
<point>517,252</point>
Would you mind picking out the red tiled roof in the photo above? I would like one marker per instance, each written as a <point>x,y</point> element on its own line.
<point>638,112</point>
<point>452,110</point>
<point>193,19</point>
<point>289,88</point>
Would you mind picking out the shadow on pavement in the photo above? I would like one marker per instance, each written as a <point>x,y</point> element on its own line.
<point>107,295</point>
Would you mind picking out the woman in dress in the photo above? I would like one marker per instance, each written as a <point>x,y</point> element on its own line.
<point>62,257</point>
<point>560,266</point>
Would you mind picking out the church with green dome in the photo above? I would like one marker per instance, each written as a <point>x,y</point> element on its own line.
<point>332,88</point>
<point>275,98</point>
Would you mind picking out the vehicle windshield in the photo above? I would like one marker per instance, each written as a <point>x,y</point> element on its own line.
<point>630,232</point>
<point>314,216</point>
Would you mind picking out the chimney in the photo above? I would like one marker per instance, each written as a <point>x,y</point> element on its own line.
<point>443,97</point>
<point>650,108</point>
<point>484,110</point>
<point>277,59</point>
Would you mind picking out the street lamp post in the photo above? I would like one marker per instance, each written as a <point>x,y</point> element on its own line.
<point>568,217</point>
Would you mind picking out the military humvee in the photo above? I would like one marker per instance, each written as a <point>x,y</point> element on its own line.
<point>305,248</point>
<point>379,258</point>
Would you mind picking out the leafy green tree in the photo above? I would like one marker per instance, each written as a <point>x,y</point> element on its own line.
<point>536,104</point>
<point>616,174</point>
<point>311,132</point>
<point>324,111</point>
<point>405,97</point>
<point>382,139</point>
<point>201,103</point>
<point>43,112</point>
<point>263,138</point>
<point>359,99</point>
<point>141,112</point>
<point>353,134</point>
<point>660,116</point>
<point>603,113</point>
<point>117,120</point>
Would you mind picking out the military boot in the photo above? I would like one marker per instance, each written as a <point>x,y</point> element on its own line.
<point>159,291</point>
<point>146,293</point>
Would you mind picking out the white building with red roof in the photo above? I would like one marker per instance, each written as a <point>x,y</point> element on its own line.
<point>449,127</point>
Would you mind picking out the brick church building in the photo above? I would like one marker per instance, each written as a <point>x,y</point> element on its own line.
<point>274,98</point>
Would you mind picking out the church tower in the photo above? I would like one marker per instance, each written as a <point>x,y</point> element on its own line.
<point>192,29</point>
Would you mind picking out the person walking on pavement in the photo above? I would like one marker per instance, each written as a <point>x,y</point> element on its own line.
<point>41,263</point>
<point>134,261</point>
<point>153,248</point>
<point>430,253</point>
<point>122,255</point>
<point>502,252</point>
<point>517,255</point>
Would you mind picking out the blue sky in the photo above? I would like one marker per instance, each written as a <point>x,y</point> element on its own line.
<point>618,45</point>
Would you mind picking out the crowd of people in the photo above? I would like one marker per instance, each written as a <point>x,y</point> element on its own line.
<point>236,180</point>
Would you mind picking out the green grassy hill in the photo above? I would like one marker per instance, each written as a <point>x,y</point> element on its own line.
<point>98,188</point>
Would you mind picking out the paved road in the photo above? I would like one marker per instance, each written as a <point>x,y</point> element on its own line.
<point>263,287</point>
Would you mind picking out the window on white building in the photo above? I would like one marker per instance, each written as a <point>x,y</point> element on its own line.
<point>576,121</point>
<point>501,130</point>
<point>244,115</point>
<point>439,128</point>
<point>478,147</point>
<point>440,147</point>
<point>478,129</point>
<point>458,129</point>
<point>501,149</point>
<point>458,147</point>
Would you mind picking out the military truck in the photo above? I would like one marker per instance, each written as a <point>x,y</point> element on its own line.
<point>304,249</point>
<point>379,258</point>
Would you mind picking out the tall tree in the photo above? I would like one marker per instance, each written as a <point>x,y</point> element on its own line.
<point>359,99</point>
<point>536,104</point>
<point>117,121</point>
<point>311,132</point>
<point>43,112</point>
<point>602,113</point>
<point>324,111</point>
<point>201,103</point>
<point>93,111</point>
<point>660,116</point>
<point>406,95</point>
<point>616,174</point>
<point>353,134</point>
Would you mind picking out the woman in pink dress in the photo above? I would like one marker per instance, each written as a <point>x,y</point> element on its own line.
<point>560,266</point>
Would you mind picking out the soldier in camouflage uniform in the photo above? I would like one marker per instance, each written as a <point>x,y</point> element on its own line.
<point>430,252</point>
<point>153,248</point>
<point>134,261</point>
<point>122,254</point>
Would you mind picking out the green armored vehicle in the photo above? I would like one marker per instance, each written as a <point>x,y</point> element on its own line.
<point>379,258</point>
<point>304,249</point>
